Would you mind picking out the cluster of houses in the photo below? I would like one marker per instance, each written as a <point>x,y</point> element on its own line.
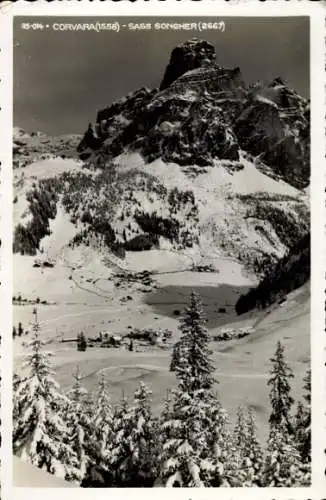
<point>233,333</point>
<point>107,339</point>
<point>148,336</point>
<point>153,337</point>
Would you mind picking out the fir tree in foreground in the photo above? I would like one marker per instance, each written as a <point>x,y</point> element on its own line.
<point>245,460</point>
<point>78,423</point>
<point>103,417</point>
<point>239,434</point>
<point>176,353</point>
<point>236,469</point>
<point>132,455</point>
<point>39,432</point>
<point>188,458</point>
<point>253,453</point>
<point>283,467</point>
<point>284,464</point>
<point>193,366</point>
<point>280,394</point>
<point>303,422</point>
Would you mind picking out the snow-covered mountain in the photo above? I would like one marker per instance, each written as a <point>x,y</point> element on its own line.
<point>202,166</point>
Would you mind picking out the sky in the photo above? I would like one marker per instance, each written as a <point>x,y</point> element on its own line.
<point>62,78</point>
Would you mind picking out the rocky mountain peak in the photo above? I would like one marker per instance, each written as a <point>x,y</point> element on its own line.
<point>192,54</point>
<point>203,113</point>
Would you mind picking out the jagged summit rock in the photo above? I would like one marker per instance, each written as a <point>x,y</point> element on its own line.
<point>190,55</point>
<point>277,81</point>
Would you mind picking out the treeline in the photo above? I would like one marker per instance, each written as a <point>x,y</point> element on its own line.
<point>291,272</point>
<point>85,439</point>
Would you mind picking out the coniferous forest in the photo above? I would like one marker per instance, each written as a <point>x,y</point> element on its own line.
<point>290,272</point>
<point>85,439</point>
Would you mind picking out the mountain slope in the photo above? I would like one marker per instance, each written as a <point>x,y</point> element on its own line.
<point>233,210</point>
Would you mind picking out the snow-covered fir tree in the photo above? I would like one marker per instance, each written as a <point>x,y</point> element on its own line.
<point>78,423</point>
<point>118,447</point>
<point>175,356</point>
<point>306,452</point>
<point>253,454</point>
<point>240,430</point>
<point>134,448</point>
<point>283,467</point>
<point>39,432</point>
<point>102,471</point>
<point>280,393</point>
<point>194,369</point>
<point>235,466</point>
<point>306,449</point>
<point>165,416</point>
<point>103,416</point>
<point>307,387</point>
<point>99,414</point>
<point>188,456</point>
<point>16,408</point>
<point>245,460</point>
<point>218,441</point>
<point>183,464</point>
<point>303,422</point>
<point>300,427</point>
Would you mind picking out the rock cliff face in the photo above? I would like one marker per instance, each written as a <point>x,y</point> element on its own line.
<point>202,113</point>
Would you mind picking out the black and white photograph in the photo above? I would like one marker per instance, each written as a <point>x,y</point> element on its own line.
<point>161,252</point>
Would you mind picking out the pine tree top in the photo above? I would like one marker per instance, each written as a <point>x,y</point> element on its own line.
<point>77,393</point>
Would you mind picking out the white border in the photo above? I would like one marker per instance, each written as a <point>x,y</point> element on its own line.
<point>6,126</point>
<point>170,8</point>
